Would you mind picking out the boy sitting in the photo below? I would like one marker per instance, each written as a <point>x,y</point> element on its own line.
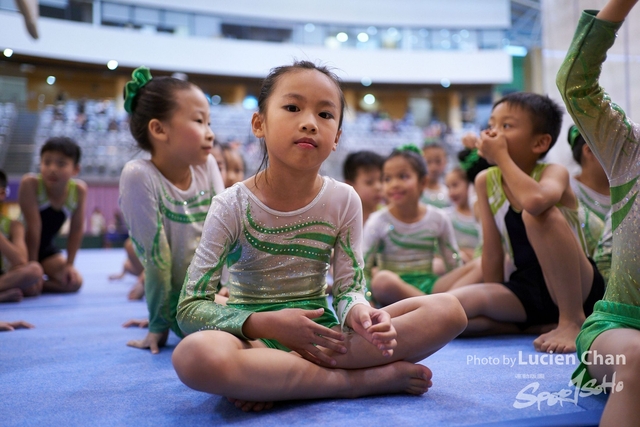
<point>47,200</point>
<point>363,171</point>
<point>529,211</point>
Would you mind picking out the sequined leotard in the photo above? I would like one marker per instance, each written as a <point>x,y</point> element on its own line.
<point>615,140</point>
<point>165,224</point>
<point>408,249</point>
<point>275,259</point>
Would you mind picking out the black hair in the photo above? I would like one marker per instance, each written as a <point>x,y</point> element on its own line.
<point>63,145</point>
<point>433,145</point>
<point>272,79</point>
<point>155,100</point>
<point>3,179</point>
<point>471,163</point>
<point>359,160</point>
<point>416,161</point>
<point>576,142</point>
<point>545,113</point>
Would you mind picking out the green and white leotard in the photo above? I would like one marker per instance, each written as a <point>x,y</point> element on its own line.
<point>165,224</point>
<point>408,249</point>
<point>275,259</point>
<point>615,140</point>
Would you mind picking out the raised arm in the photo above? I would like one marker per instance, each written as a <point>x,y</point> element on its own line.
<point>616,10</point>
<point>604,125</point>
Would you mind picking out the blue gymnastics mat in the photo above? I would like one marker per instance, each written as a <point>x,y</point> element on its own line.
<point>74,369</point>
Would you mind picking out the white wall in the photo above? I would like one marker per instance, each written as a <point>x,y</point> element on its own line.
<point>96,44</point>
<point>450,14</point>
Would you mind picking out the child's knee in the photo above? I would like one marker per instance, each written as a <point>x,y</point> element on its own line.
<point>34,271</point>
<point>383,279</point>
<point>197,353</point>
<point>451,311</point>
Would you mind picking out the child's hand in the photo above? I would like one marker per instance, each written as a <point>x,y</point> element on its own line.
<point>140,323</point>
<point>18,324</point>
<point>152,341</point>
<point>72,276</point>
<point>492,145</point>
<point>375,326</point>
<point>295,329</point>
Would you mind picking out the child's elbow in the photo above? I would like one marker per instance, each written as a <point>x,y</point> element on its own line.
<point>536,205</point>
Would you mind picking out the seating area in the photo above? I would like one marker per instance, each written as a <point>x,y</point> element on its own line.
<point>103,133</point>
<point>8,113</point>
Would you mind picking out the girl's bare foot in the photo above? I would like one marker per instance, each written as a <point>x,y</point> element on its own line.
<point>11,295</point>
<point>397,377</point>
<point>560,340</point>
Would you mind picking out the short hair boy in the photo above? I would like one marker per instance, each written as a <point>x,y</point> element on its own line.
<point>529,211</point>
<point>363,171</point>
<point>18,276</point>
<point>47,199</point>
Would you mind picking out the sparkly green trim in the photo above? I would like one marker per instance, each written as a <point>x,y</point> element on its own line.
<point>303,251</point>
<point>286,229</point>
<point>620,192</point>
<point>200,287</point>
<point>190,200</point>
<point>618,216</point>
<point>319,237</point>
<point>466,229</point>
<point>182,218</point>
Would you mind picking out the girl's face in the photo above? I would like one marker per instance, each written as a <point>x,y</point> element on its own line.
<point>300,121</point>
<point>188,131</point>
<point>400,182</point>
<point>458,188</point>
<point>436,159</point>
<point>235,168</point>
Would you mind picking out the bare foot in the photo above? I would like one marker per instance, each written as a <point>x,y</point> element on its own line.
<point>396,377</point>
<point>250,406</point>
<point>137,291</point>
<point>11,295</point>
<point>560,340</point>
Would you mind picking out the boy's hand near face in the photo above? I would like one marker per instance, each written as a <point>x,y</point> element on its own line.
<point>492,146</point>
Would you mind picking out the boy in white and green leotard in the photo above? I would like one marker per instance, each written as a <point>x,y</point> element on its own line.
<point>614,326</point>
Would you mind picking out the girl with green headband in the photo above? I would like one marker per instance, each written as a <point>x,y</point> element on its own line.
<point>165,199</point>
<point>404,237</point>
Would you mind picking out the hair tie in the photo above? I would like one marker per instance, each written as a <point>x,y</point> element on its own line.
<point>574,133</point>
<point>470,159</point>
<point>141,76</point>
<point>410,147</point>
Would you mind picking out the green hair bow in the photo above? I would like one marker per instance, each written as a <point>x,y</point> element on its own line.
<point>470,160</point>
<point>410,147</point>
<point>574,133</point>
<point>141,76</point>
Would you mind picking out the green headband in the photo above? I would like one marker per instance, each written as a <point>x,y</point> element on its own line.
<point>574,133</point>
<point>410,147</point>
<point>141,76</point>
<point>470,160</point>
